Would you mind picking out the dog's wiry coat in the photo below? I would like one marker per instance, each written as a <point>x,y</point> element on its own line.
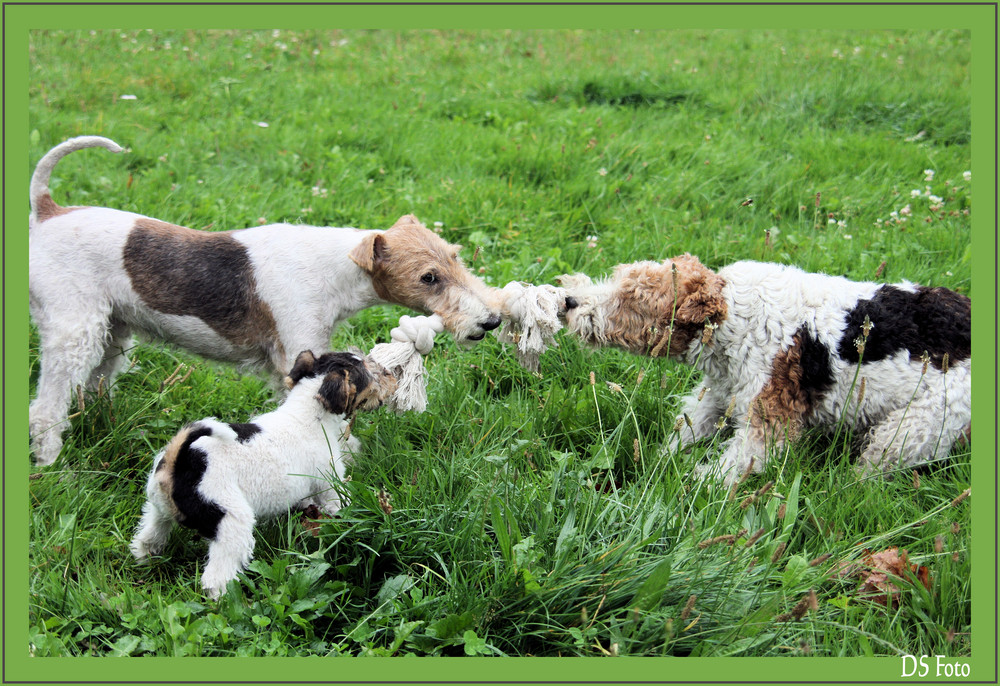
<point>780,350</point>
<point>253,296</point>
<point>220,478</point>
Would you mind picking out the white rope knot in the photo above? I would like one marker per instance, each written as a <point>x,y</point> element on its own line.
<point>530,319</point>
<point>411,340</point>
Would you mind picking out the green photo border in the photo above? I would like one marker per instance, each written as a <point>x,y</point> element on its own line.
<point>19,19</point>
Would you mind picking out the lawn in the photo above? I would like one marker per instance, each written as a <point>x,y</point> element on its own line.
<point>531,514</point>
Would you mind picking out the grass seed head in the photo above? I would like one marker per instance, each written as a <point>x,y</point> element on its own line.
<point>730,408</point>
<point>753,539</point>
<point>861,390</point>
<point>593,379</point>
<point>939,544</point>
<point>815,562</point>
<point>778,552</point>
<point>962,496</point>
<point>383,501</point>
<point>688,606</point>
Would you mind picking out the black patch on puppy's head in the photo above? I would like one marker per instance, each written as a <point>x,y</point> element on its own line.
<point>302,368</point>
<point>344,384</point>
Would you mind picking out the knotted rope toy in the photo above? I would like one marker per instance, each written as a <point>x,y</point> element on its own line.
<point>411,340</point>
<point>530,317</point>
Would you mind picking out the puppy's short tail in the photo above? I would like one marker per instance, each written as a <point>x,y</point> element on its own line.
<point>42,205</point>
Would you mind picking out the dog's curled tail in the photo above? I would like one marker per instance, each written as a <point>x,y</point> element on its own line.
<point>42,205</point>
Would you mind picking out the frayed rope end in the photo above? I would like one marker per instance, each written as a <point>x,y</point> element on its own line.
<point>411,340</point>
<point>530,319</point>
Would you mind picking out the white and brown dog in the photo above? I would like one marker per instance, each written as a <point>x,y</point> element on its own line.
<point>220,478</point>
<point>254,296</point>
<point>782,349</point>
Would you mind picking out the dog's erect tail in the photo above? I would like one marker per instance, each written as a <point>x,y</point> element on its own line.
<point>42,205</point>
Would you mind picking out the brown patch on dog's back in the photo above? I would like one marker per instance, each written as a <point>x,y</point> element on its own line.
<point>202,274</point>
<point>165,468</point>
<point>799,376</point>
<point>46,208</point>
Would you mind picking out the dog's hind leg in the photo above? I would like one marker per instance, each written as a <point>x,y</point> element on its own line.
<point>232,549</point>
<point>69,352</point>
<point>116,359</point>
<point>154,529</point>
<point>925,429</point>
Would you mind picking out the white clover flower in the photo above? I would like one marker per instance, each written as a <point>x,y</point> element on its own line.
<point>967,175</point>
<point>915,193</point>
<point>937,200</point>
<point>263,124</point>
<point>928,175</point>
<point>848,236</point>
<point>602,171</point>
<point>128,97</point>
<point>842,224</point>
<point>906,211</point>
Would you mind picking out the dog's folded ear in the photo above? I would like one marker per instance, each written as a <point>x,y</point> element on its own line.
<point>369,252</point>
<point>337,392</point>
<point>701,289</point>
<point>303,367</point>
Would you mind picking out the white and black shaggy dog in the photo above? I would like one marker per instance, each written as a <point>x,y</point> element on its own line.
<point>254,296</point>
<point>780,350</point>
<point>220,478</point>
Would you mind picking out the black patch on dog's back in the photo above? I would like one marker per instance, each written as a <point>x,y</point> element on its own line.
<point>244,432</point>
<point>189,468</point>
<point>937,320</point>
<point>817,372</point>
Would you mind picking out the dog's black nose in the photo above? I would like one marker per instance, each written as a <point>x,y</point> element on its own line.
<point>491,323</point>
<point>571,302</point>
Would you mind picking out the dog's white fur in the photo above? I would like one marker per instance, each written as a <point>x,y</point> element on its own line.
<point>288,464</point>
<point>91,286</point>
<point>758,331</point>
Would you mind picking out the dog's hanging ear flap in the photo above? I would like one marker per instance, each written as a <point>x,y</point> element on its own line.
<point>303,367</point>
<point>337,393</point>
<point>369,252</point>
<point>702,299</point>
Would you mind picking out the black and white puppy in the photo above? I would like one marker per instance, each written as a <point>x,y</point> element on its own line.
<point>220,478</point>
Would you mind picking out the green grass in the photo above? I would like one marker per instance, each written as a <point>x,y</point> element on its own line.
<point>531,515</point>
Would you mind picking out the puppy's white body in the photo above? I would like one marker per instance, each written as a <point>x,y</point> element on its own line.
<point>222,478</point>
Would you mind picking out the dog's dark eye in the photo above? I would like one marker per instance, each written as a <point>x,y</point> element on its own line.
<point>428,278</point>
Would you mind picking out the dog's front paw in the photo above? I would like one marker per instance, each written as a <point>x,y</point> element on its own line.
<point>735,462</point>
